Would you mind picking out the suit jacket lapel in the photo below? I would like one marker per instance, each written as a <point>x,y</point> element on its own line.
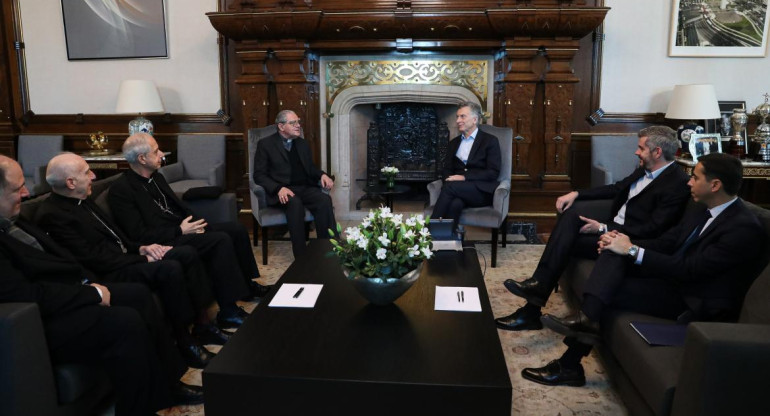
<point>476,145</point>
<point>720,219</point>
<point>662,178</point>
<point>277,144</point>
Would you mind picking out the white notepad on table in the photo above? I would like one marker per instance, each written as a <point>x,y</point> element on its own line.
<point>296,295</point>
<point>457,298</point>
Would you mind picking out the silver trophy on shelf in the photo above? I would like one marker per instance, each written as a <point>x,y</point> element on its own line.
<point>762,133</point>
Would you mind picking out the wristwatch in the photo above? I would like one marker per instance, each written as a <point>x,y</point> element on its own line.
<point>633,251</point>
<point>602,229</point>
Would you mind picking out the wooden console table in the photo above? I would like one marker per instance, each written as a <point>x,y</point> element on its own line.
<point>756,183</point>
<point>751,169</point>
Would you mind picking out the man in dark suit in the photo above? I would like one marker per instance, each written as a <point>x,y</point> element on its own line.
<point>699,269</point>
<point>645,204</point>
<point>284,167</point>
<point>148,211</point>
<point>175,273</point>
<point>116,325</point>
<point>471,168</point>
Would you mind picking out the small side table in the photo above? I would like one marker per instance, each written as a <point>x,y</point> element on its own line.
<point>380,191</point>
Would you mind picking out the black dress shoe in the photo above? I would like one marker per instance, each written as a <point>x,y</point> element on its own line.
<point>519,321</point>
<point>196,356</point>
<point>257,291</point>
<point>187,394</point>
<point>529,289</point>
<point>577,325</point>
<point>210,334</point>
<point>232,319</point>
<point>553,374</point>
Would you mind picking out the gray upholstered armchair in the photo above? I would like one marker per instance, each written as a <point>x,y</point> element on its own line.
<point>201,163</point>
<point>612,158</point>
<point>264,216</point>
<point>33,156</point>
<point>496,215</point>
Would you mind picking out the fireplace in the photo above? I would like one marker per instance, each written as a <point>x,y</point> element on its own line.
<point>410,137</point>
<point>410,96</point>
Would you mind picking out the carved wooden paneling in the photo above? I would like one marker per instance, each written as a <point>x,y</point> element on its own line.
<point>519,110</point>
<point>558,118</point>
<point>368,20</point>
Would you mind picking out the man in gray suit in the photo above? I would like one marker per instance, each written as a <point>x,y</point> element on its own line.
<point>284,167</point>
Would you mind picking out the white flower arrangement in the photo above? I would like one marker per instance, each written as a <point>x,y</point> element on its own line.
<point>384,245</point>
<point>389,170</point>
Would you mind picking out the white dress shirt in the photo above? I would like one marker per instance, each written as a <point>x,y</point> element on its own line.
<point>465,146</point>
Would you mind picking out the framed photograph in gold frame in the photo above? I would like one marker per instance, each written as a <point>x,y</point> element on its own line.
<point>714,28</point>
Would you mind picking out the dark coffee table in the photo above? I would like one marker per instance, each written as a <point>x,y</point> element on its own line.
<point>347,357</point>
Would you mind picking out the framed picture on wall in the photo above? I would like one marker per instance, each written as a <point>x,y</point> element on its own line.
<point>96,29</point>
<point>703,144</point>
<point>717,28</point>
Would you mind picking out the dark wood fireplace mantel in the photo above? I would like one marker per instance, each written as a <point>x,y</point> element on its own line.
<point>330,21</point>
<point>278,45</point>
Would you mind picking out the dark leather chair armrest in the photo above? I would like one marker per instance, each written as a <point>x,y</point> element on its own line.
<point>724,370</point>
<point>27,385</point>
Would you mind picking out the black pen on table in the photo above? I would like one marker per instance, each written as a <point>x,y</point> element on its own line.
<point>458,295</point>
<point>299,292</point>
<point>462,296</point>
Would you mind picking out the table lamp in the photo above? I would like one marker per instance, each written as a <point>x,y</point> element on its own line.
<point>138,97</point>
<point>692,102</point>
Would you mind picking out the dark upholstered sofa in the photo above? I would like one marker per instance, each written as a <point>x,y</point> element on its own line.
<point>722,369</point>
<point>29,383</point>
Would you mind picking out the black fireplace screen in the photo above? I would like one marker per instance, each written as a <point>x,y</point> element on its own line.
<point>409,137</point>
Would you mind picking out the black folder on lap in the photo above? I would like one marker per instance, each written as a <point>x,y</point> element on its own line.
<point>660,333</point>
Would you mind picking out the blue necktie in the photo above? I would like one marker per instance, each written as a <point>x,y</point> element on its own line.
<point>287,144</point>
<point>694,234</point>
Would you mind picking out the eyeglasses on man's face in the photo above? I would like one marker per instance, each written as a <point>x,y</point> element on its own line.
<point>293,123</point>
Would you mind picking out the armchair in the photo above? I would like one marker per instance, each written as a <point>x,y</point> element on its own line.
<point>264,216</point>
<point>201,163</point>
<point>495,216</point>
<point>612,158</point>
<point>33,156</point>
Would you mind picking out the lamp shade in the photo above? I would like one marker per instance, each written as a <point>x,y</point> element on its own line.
<point>693,102</point>
<point>138,96</point>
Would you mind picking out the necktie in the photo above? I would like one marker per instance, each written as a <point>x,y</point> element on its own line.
<point>695,233</point>
<point>287,144</point>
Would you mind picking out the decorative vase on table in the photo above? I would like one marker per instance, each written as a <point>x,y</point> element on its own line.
<point>383,256</point>
<point>383,290</point>
<point>390,173</point>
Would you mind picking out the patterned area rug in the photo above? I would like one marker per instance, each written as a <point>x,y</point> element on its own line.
<point>521,349</point>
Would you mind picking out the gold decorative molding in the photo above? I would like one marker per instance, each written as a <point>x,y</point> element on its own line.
<point>471,75</point>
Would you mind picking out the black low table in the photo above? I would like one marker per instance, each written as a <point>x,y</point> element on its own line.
<point>381,190</point>
<point>347,357</point>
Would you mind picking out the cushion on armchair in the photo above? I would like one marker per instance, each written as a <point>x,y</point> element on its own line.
<point>202,192</point>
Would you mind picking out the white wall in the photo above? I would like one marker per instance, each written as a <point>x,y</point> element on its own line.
<point>188,80</point>
<point>638,75</point>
